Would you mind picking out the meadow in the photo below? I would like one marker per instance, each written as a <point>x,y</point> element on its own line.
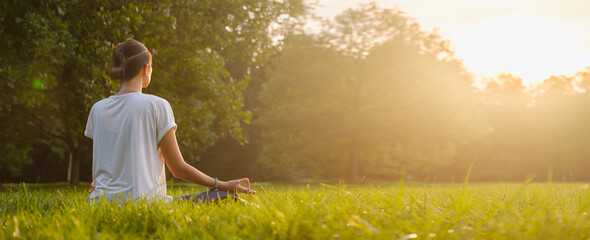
<point>309,211</point>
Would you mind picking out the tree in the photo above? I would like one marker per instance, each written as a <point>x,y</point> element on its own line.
<point>558,120</point>
<point>539,132</point>
<point>56,55</point>
<point>340,99</point>
<point>506,144</point>
<point>301,99</point>
<point>205,75</point>
<point>47,59</point>
<point>423,109</point>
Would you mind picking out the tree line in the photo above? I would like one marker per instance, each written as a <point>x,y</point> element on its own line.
<point>370,95</point>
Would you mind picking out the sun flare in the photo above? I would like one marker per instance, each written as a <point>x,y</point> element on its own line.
<point>528,46</point>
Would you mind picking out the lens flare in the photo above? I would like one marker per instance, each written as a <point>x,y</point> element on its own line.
<point>37,83</point>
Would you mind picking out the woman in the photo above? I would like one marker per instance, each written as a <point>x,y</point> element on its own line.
<point>134,136</point>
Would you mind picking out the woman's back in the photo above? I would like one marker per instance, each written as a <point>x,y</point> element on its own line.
<point>126,130</point>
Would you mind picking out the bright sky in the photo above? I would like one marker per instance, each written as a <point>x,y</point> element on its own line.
<point>532,39</point>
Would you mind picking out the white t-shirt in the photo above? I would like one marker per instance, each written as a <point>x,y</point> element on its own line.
<point>126,130</point>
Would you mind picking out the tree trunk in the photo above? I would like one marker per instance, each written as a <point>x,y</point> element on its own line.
<point>65,117</point>
<point>74,169</point>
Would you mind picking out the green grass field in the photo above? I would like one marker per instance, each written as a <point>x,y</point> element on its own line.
<point>316,211</point>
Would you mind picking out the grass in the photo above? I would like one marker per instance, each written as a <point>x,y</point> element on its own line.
<point>318,211</point>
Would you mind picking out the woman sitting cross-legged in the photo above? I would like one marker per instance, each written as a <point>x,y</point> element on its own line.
<point>134,137</point>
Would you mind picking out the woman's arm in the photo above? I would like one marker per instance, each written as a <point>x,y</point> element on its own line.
<point>182,170</point>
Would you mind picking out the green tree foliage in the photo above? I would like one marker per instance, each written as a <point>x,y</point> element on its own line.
<point>369,96</point>
<point>55,53</point>
<point>47,65</point>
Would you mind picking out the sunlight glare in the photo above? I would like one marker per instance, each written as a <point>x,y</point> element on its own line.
<point>528,46</point>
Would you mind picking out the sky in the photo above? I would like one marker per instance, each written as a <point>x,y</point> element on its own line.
<point>531,39</point>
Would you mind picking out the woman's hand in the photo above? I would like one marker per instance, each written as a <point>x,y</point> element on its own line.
<point>236,186</point>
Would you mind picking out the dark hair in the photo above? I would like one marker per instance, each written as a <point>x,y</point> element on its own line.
<point>128,59</point>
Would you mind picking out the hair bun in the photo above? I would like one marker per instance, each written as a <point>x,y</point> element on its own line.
<point>128,59</point>
<point>118,64</point>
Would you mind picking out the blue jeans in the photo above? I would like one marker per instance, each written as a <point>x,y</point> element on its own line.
<point>212,196</point>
